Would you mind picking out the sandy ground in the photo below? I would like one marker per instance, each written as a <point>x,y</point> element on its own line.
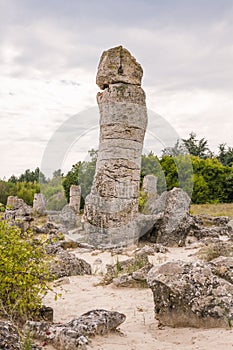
<point>140,330</point>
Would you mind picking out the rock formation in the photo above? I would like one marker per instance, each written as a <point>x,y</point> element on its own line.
<point>75,333</point>
<point>75,198</point>
<point>39,203</point>
<point>173,221</point>
<point>18,213</point>
<point>113,201</point>
<point>191,295</point>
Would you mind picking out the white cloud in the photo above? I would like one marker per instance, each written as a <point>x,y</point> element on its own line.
<point>49,48</point>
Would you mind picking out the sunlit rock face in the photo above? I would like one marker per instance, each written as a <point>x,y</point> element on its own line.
<point>113,201</point>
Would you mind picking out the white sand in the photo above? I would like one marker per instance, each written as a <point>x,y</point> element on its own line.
<point>140,330</point>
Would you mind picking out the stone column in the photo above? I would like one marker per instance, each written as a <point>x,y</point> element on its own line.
<point>113,201</point>
<point>149,185</point>
<point>75,198</point>
<point>39,203</point>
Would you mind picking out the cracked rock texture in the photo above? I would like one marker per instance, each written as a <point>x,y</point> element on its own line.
<point>74,334</point>
<point>191,295</point>
<point>113,201</point>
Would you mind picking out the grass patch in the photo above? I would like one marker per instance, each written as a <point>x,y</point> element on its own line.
<point>220,209</point>
<point>214,250</point>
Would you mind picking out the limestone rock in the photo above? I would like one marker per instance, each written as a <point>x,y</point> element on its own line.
<point>113,201</point>
<point>10,339</point>
<point>175,221</point>
<point>18,213</point>
<point>117,65</point>
<point>9,336</point>
<point>75,333</point>
<point>75,198</point>
<point>136,278</point>
<point>68,217</point>
<point>39,203</point>
<point>223,267</point>
<point>190,295</point>
<point>67,264</point>
<point>149,187</point>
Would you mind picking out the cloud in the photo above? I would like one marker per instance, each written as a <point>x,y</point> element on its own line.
<point>49,52</point>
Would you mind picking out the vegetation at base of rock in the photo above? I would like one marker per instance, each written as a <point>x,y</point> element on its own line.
<point>23,273</point>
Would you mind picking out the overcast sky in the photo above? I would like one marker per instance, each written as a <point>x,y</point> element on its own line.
<point>50,49</point>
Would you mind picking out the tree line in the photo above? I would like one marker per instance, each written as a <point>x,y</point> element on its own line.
<point>190,164</point>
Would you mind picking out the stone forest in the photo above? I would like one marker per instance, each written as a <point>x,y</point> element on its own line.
<point>114,276</point>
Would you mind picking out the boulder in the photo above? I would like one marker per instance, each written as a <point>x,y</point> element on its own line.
<point>18,213</point>
<point>190,295</point>
<point>75,333</point>
<point>174,221</point>
<point>66,264</point>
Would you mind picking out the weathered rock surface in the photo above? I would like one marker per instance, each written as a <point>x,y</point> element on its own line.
<point>68,217</point>
<point>18,213</point>
<point>117,65</point>
<point>113,201</point>
<point>75,198</point>
<point>173,220</point>
<point>122,271</point>
<point>75,333</point>
<point>10,339</point>
<point>67,264</point>
<point>149,187</point>
<point>190,295</point>
<point>136,278</point>
<point>223,267</point>
<point>39,203</point>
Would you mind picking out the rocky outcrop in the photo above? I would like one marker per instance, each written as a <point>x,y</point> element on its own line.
<point>173,221</point>
<point>190,295</point>
<point>113,201</point>
<point>18,213</point>
<point>75,334</point>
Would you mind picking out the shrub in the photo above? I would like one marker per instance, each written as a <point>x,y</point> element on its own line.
<point>23,273</point>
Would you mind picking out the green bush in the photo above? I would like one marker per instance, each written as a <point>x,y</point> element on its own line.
<point>23,273</point>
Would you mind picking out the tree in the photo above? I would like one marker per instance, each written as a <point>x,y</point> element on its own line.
<point>225,155</point>
<point>196,147</point>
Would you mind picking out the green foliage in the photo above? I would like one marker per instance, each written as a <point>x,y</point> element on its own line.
<point>225,155</point>
<point>82,173</point>
<point>151,165</point>
<point>24,274</point>
<point>54,192</point>
<point>142,200</point>
<point>197,147</point>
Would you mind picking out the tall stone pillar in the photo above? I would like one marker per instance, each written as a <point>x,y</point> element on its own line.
<point>75,198</point>
<point>113,201</point>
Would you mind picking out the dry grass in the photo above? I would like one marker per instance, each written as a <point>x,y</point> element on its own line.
<point>220,209</point>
